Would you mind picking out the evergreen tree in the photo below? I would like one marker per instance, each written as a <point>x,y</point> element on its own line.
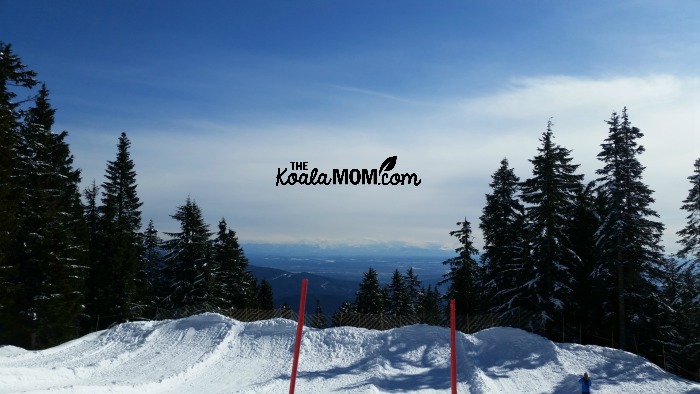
<point>679,328</point>
<point>344,315</point>
<point>118,269</point>
<point>51,230</point>
<point>464,277</point>
<point>150,276</point>
<point>318,320</point>
<point>265,298</point>
<point>370,298</point>
<point>549,195</point>
<point>398,298</point>
<point>13,75</point>
<point>231,279</point>
<point>414,289</point>
<point>152,261</point>
<point>432,310</point>
<point>690,234</point>
<point>185,262</point>
<point>628,242</point>
<point>502,224</point>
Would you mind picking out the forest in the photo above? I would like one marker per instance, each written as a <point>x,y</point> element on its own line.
<point>584,256</point>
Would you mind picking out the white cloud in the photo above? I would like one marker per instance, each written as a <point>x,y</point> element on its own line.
<point>453,144</point>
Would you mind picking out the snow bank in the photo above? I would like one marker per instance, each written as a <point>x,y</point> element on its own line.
<point>210,353</point>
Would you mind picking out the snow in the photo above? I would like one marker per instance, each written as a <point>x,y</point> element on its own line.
<point>210,353</point>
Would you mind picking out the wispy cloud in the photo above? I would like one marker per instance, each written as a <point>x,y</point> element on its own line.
<point>454,147</point>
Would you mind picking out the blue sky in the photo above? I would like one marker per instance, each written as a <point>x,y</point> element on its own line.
<point>216,95</point>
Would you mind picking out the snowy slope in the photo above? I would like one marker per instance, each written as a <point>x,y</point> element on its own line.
<point>212,354</point>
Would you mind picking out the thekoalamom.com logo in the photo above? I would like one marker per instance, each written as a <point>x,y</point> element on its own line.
<point>380,176</point>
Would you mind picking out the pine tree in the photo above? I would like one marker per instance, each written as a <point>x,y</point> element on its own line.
<point>690,234</point>
<point>51,230</point>
<point>231,279</point>
<point>345,314</point>
<point>432,310</point>
<point>117,272</point>
<point>464,277</point>
<point>414,289</point>
<point>398,298</point>
<point>185,262</point>
<point>370,298</point>
<point>13,73</point>
<point>502,225</point>
<point>628,242</point>
<point>679,328</point>
<point>153,262</point>
<point>265,298</point>
<point>549,195</point>
<point>318,320</point>
<point>584,224</point>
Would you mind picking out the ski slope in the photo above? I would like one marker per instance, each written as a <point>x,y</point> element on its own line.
<point>210,353</point>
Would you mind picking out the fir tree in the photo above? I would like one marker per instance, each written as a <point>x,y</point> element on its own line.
<point>344,315</point>
<point>398,298</point>
<point>185,262</point>
<point>549,195</point>
<point>432,310</point>
<point>51,230</point>
<point>370,298</point>
<point>265,298</point>
<point>318,320</point>
<point>414,289</point>
<point>679,329</point>
<point>690,234</point>
<point>118,268</point>
<point>464,277</point>
<point>231,279</point>
<point>584,223</point>
<point>13,75</point>
<point>629,252</point>
<point>502,224</point>
<point>152,259</point>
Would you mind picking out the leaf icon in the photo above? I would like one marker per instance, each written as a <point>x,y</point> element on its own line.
<point>388,164</point>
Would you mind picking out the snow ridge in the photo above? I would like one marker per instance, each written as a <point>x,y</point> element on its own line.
<point>210,353</point>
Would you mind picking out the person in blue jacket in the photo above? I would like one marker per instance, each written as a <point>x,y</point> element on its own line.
<point>585,383</point>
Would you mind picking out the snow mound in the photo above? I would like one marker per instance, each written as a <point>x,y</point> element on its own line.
<point>210,353</point>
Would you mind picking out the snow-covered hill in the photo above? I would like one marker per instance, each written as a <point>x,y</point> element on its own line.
<point>210,353</point>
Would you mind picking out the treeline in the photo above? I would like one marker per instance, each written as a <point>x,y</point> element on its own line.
<point>68,266</point>
<point>586,256</point>
<point>404,296</point>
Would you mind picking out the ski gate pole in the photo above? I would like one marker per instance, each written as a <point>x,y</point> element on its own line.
<point>453,350</point>
<point>297,342</point>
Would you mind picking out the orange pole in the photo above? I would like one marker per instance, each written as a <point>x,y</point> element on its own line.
<point>453,350</point>
<point>297,343</point>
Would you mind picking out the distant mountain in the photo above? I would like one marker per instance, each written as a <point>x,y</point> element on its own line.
<point>286,287</point>
<point>394,249</point>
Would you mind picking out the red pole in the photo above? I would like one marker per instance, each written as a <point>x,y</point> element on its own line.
<point>453,350</point>
<point>297,342</point>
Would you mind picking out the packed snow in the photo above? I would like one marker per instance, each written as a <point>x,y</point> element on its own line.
<point>210,353</point>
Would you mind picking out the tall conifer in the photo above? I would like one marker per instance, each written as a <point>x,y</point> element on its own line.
<point>690,234</point>
<point>185,262</point>
<point>504,253</point>
<point>117,280</point>
<point>231,280</point>
<point>628,241</point>
<point>51,230</point>
<point>464,277</point>
<point>12,73</point>
<point>549,196</point>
